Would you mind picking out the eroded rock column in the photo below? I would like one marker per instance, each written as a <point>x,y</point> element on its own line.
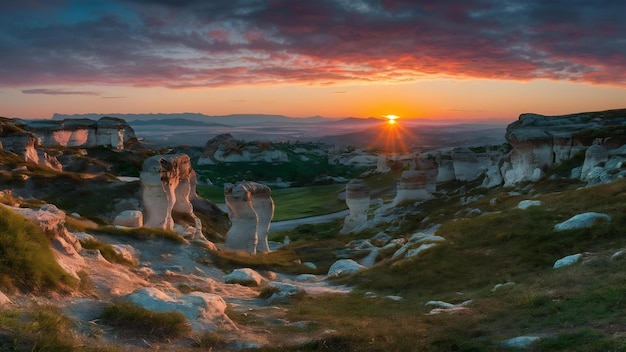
<point>250,209</point>
<point>358,201</point>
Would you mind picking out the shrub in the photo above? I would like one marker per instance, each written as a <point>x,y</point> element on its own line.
<point>139,321</point>
<point>26,259</point>
<point>107,251</point>
<point>41,328</point>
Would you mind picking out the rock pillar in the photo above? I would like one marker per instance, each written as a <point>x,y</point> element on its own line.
<point>358,201</point>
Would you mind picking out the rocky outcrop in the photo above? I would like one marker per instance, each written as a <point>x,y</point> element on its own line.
<point>225,148</point>
<point>358,201</point>
<point>418,183</point>
<point>106,132</point>
<point>168,185</point>
<point>251,209</point>
<point>539,142</point>
<point>14,138</point>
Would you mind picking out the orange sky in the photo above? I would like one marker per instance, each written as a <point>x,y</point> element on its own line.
<point>334,58</point>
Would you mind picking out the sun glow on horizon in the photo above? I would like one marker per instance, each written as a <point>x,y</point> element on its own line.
<point>391,118</point>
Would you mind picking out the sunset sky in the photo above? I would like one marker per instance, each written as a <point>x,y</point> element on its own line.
<point>469,59</point>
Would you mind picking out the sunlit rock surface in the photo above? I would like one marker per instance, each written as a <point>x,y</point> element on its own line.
<point>358,201</point>
<point>539,142</point>
<point>251,209</point>
<point>106,132</point>
<point>166,185</point>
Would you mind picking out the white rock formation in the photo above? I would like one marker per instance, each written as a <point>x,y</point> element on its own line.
<point>567,261</point>
<point>129,218</point>
<point>594,156</point>
<point>525,204</point>
<point>580,221</point>
<point>344,267</point>
<point>106,132</point>
<point>417,184</point>
<point>205,311</point>
<point>358,201</point>
<point>250,209</point>
<point>166,185</point>
<point>245,277</point>
<point>224,148</point>
<point>445,171</point>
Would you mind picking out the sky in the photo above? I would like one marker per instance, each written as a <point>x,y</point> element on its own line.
<point>469,59</point>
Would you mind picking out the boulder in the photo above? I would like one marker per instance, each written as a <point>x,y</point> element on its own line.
<point>358,201</point>
<point>344,267</point>
<point>520,342</point>
<point>245,277</point>
<point>525,204</point>
<point>567,261</point>
<point>250,209</point>
<point>594,156</point>
<point>205,311</point>
<point>129,218</point>
<point>580,221</point>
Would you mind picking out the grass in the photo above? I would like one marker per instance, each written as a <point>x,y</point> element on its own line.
<point>108,252</point>
<point>26,259</point>
<point>577,308</point>
<point>140,322</point>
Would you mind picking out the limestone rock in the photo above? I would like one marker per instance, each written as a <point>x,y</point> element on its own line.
<point>539,142</point>
<point>166,185</point>
<point>4,299</point>
<point>225,148</point>
<point>567,261</point>
<point>358,201</point>
<point>521,342</point>
<point>250,209</point>
<point>129,218</point>
<point>417,184</point>
<point>594,156</point>
<point>581,221</point>
<point>106,132</point>
<point>344,267</point>
<point>205,311</point>
<point>245,277</point>
<point>525,204</point>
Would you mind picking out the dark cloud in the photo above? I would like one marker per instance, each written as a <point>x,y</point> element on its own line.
<point>48,91</point>
<point>196,43</point>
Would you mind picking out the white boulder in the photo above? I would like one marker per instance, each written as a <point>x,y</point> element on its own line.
<point>580,221</point>
<point>344,267</point>
<point>245,277</point>
<point>129,218</point>
<point>567,261</point>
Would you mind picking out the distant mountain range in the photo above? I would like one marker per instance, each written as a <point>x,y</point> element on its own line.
<point>190,119</point>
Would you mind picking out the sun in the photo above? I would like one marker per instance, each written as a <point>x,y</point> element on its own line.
<point>391,118</point>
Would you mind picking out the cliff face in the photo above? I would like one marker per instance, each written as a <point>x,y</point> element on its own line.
<point>539,142</point>
<point>14,138</point>
<point>225,148</point>
<point>106,132</point>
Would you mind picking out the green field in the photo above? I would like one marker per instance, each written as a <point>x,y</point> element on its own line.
<point>292,203</point>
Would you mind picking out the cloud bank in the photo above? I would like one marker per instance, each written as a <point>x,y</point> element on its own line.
<point>197,43</point>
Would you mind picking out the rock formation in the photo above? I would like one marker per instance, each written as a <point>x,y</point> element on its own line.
<point>166,184</point>
<point>539,142</point>
<point>250,208</point>
<point>417,184</point>
<point>225,148</point>
<point>358,201</point>
<point>106,132</point>
<point>14,138</point>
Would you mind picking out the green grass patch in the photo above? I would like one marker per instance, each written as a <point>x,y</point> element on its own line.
<point>41,328</point>
<point>26,259</point>
<point>283,260</point>
<point>137,321</point>
<point>108,252</point>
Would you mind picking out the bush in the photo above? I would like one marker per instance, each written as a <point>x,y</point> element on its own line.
<point>26,259</point>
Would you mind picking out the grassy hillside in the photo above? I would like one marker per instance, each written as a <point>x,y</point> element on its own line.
<point>26,260</point>
<point>575,308</point>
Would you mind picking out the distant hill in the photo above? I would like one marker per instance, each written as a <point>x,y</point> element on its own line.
<point>173,122</point>
<point>229,120</point>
